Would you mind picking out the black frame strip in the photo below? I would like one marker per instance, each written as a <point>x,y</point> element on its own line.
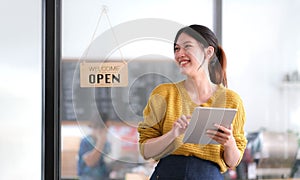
<point>51,55</point>
<point>217,19</point>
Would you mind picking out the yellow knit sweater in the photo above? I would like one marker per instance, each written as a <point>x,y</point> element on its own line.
<point>168,102</point>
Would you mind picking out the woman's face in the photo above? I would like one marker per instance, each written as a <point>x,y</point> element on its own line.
<point>189,54</point>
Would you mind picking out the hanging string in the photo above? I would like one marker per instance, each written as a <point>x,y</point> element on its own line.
<point>98,22</point>
<point>104,12</point>
<point>114,35</point>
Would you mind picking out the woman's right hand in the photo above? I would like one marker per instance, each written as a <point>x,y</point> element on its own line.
<point>180,125</point>
<point>161,146</point>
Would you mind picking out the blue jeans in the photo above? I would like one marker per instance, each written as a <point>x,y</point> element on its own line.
<point>176,167</point>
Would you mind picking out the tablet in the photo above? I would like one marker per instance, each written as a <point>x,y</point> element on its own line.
<point>204,118</point>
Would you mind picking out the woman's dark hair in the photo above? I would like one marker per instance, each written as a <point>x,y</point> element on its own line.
<point>217,65</point>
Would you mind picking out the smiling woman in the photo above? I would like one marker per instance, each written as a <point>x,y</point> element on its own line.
<point>169,108</point>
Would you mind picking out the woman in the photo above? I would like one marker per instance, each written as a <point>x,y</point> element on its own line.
<point>167,114</point>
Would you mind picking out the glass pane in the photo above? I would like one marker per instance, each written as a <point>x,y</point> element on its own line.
<point>112,41</point>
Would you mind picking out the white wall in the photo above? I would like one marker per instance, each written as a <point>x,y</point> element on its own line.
<point>20,89</point>
<point>262,42</point>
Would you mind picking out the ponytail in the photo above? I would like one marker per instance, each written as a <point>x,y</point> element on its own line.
<point>217,67</point>
<point>223,61</point>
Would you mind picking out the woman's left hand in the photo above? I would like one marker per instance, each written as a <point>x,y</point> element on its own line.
<point>222,135</point>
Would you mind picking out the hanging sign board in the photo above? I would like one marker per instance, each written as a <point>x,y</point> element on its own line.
<point>103,74</point>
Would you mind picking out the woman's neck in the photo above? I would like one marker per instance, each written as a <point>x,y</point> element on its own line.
<point>199,89</point>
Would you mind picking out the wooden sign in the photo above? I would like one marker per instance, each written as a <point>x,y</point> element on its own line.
<point>103,74</point>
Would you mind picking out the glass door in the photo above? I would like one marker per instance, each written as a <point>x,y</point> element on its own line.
<point>111,56</point>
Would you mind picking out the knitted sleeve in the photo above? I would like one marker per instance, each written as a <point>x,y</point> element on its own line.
<point>238,129</point>
<point>156,121</point>
<point>238,122</point>
<point>154,114</point>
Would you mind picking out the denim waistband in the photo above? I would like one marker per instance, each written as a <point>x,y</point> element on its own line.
<point>177,167</point>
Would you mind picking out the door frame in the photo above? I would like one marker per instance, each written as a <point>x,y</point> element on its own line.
<point>51,57</point>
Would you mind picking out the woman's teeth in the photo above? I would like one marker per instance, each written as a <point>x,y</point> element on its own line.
<point>184,62</point>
